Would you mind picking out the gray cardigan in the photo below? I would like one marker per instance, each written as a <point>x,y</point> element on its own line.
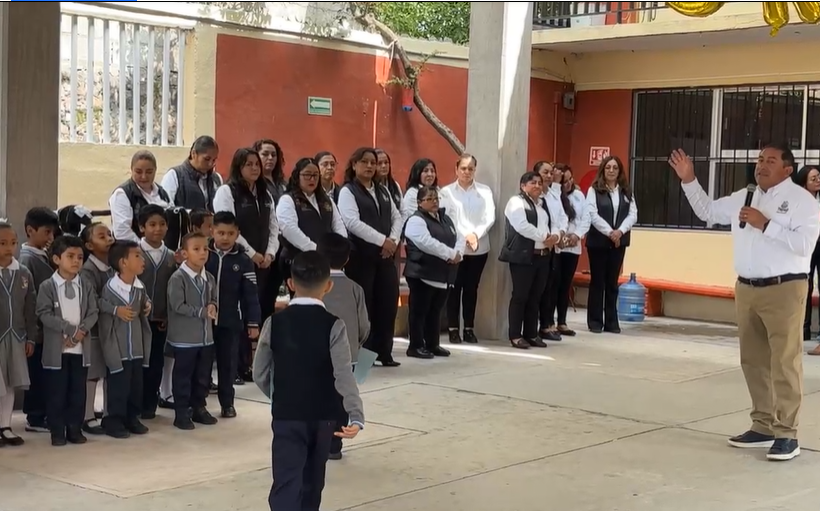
<point>188,322</point>
<point>17,306</point>
<point>55,328</point>
<point>123,340</point>
<point>346,301</point>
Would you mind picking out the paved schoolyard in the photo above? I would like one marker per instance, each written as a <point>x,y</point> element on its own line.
<point>635,422</point>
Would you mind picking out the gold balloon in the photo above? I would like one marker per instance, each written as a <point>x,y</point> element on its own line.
<point>809,12</point>
<point>696,9</point>
<point>776,15</point>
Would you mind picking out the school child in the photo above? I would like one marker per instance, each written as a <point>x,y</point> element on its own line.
<point>192,308</point>
<point>18,329</point>
<point>236,281</point>
<point>346,301</point>
<point>160,265</point>
<point>126,340</point>
<point>67,309</point>
<point>97,239</point>
<point>40,224</point>
<point>303,364</point>
<point>202,221</point>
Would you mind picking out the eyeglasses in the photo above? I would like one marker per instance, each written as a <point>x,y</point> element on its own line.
<point>310,176</point>
<point>429,199</point>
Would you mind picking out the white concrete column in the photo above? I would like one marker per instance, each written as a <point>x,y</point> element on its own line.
<point>29,107</point>
<point>498,99</point>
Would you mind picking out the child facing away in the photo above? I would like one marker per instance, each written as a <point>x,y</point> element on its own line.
<point>192,307</point>
<point>40,224</point>
<point>236,276</point>
<point>202,221</point>
<point>97,239</point>
<point>346,301</point>
<point>67,309</point>
<point>126,340</point>
<point>18,322</point>
<point>158,270</point>
<point>303,364</point>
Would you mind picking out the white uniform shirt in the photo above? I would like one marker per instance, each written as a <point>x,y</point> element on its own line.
<point>578,226</point>
<point>416,230</point>
<point>122,214</point>
<point>410,204</point>
<point>223,201</point>
<point>515,211</point>
<point>787,243</point>
<point>289,222</point>
<point>601,224</point>
<point>476,212</point>
<point>559,217</point>
<point>349,211</point>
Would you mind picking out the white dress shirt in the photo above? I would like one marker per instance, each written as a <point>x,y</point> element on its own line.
<point>787,243</point>
<point>410,204</point>
<point>171,184</point>
<point>349,211</point>
<point>416,231</point>
<point>578,226</point>
<point>476,213</point>
<point>156,254</point>
<point>223,201</point>
<point>517,216</point>
<point>70,307</point>
<point>125,290</point>
<point>122,214</point>
<point>289,222</point>
<point>559,217</point>
<point>601,224</point>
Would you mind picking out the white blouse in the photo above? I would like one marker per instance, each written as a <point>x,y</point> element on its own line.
<point>410,204</point>
<point>289,222</point>
<point>122,214</point>
<point>578,226</point>
<point>223,201</point>
<point>601,224</point>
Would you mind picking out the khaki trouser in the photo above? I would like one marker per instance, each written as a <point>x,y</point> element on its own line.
<point>770,324</point>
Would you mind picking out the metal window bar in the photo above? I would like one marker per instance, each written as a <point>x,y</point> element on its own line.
<point>562,14</point>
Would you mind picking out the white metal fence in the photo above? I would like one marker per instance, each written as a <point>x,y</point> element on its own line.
<point>121,81</point>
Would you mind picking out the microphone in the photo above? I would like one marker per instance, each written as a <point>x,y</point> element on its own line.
<point>750,191</point>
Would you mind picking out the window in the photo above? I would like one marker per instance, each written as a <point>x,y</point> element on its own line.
<point>722,130</point>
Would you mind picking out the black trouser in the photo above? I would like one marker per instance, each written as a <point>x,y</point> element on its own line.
<point>424,314</point>
<point>191,378</point>
<point>34,399</point>
<point>528,283</point>
<point>815,263</point>
<point>299,451</point>
<point>268,281</point>
<point>604,271</point>
<point>556,296</point>
<point>464,294</point>
<point>124,394</point>
<point>65,391</point>
<point>152,375</point>
<point>547,302</point>
<point>380,281</point>
<point>226,345</point>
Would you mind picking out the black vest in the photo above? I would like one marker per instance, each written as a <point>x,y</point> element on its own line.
<point>334,192</point>
<point>379,218</point>
<point>276,190</point>
<point>252,215</point>
<point>189,195</point>
<point>137,201</point>
<point>314,224</point>
<point>518,249</point>
<point>421,265</point>
<point>304,388</point>
<point>596,239</point>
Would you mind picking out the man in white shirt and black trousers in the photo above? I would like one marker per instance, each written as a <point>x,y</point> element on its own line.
<point>774,236</point>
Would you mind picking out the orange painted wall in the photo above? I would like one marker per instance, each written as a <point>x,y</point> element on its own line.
<point>262,89</point>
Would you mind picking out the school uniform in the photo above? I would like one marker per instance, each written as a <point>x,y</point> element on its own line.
<point>190,334</point>
<point>126,346</point>
<point>238,310</point>
<point>97,273</point>
<point>303,364</point>
<point>64,308</point>
<point>34,403</point>
<point>159,267</point>
<point>18,325</point>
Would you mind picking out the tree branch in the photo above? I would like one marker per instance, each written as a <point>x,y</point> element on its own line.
<point>391,38</point>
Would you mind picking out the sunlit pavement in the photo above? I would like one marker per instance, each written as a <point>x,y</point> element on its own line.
<point>630,422</point>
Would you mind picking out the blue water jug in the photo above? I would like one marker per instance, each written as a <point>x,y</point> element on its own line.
<point>632,300</point>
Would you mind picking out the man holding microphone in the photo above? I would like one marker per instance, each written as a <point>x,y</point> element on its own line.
<point>775,227</point>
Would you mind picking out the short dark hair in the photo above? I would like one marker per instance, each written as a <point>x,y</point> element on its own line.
<point>143,154</point>
<point>198,217</point>
<point>310,270</point>
<point>336,248</point>
<point>38,217</point>
<point>786,154</point>
<point>225,218</point>
<point>119,251</point>
<point>191,236</point>
<point>64,242</point>
<point>149,210</point>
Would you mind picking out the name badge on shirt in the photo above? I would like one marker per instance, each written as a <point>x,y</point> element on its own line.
<point>783,208</point>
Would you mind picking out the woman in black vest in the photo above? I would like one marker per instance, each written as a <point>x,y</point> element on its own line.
<point>612,212</point>
<point>374,225</point>
<point>193,183</point>
<point>128,198</point>
<point>305,213</point>
<point>528,248</point>
<point>434,249</point>
<point>384,176</point>
<point>326,162</point>
<point>273,167</point>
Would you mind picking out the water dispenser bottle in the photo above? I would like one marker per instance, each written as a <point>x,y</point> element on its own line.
<point>632,300</point>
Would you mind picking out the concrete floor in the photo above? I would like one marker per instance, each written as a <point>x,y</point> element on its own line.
<point>618,423</point>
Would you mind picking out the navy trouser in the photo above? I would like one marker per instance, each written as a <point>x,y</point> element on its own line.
<point>300,450</point>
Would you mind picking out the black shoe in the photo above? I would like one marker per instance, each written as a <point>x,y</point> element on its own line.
<point>469,336</point>
<point>751,440</point>
<point>247,376</point>
<point>213,389</point>
<point>167,404</point>
<point>148,415</point>
<point>92,427</point>
<point>229,412</point>
<point>184,423</point>
<point>203,416</point>
<point>438,351</point>
<point>37,425</point>
<point>521,344</point>
<point>8,437</point>
<point>419,353</point>
<point>58,440</point>
<point>238,381</point>
<point>136,427</point>
<point>536,342</point>
<point>549,335</point>
<point>115,428</point>
<point>455,338</point>
<point>784,449</point>
<point>613,330</point>
<point>596,330</point>
<point>75,436</point>
<point>335,456</point>
<point>564,330</point>
<point>389,362</point>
